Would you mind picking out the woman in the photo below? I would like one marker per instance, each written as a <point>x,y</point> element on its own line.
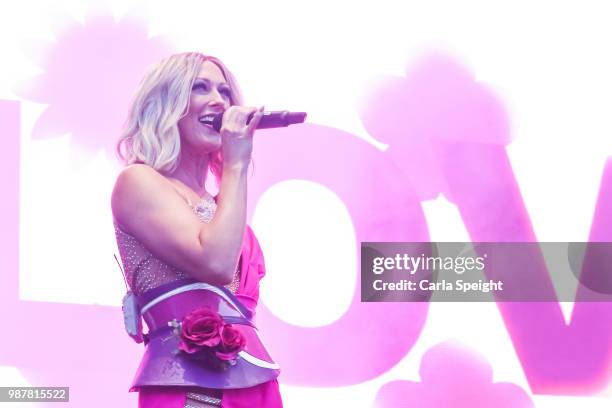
<point>189,258</point>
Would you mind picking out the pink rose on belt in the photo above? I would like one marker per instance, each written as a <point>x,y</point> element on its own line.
<point>204,336</point>
<point>200,329</point>
<point>232,342</point>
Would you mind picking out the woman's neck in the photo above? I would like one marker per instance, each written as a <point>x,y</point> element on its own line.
<point>192,171</point>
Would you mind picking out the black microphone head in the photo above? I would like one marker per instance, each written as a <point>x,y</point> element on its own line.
<point>217,121</point>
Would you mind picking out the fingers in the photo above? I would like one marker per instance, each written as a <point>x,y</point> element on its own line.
<point>255,121</point>
<point>236,117</point>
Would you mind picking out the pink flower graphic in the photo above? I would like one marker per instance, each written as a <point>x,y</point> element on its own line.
<point>438,103</point>
<point>452,376</point>
<point>90,75</point>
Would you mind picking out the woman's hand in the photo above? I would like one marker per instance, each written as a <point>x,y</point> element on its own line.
<point>237,136</point>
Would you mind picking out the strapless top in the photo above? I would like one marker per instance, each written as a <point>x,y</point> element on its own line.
<point>143,271</point>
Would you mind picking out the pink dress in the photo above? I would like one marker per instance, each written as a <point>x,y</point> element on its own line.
<point>144,272</point>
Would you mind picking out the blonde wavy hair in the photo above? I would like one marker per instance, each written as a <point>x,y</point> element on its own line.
<point>150,134</point>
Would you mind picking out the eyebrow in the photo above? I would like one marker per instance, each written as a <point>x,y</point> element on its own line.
<point>208,80</point>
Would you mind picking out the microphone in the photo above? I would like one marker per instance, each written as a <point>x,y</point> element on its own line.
<point>269,120</point>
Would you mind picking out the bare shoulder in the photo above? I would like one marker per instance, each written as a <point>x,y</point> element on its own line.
<point>138,176</point>
<point>137,188</point>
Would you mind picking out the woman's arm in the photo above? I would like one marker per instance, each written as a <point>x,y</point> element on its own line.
<point>148,207</point>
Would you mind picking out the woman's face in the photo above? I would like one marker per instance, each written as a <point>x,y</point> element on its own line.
<point>210,95</point>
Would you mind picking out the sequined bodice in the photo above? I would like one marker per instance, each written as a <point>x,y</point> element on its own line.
<point>144,271</point>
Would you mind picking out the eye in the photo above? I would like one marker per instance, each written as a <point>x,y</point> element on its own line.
<point>225,91</point>
<point>200,86</point>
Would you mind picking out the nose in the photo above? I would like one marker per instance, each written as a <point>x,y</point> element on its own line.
<point>216,99</point>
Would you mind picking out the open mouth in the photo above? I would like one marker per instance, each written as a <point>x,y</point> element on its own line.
<point>212,120</point>
<point>207,119</point>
